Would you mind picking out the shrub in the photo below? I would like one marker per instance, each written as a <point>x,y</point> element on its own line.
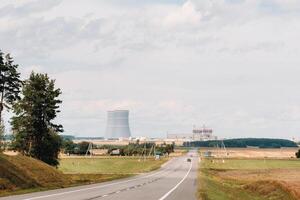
<point>298,154</point>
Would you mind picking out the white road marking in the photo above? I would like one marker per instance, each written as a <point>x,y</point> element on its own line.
<point>96,187</point>
<point>176,186</point>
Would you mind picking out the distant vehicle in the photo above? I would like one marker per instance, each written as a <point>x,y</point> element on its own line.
<point>189,160</point>
<point>157,157</point>
<point>191,156</point>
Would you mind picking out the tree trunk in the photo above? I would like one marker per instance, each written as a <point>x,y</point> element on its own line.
<point>1,109</point>
<point>1,105</point>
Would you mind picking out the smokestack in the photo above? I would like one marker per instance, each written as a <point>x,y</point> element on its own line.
<point>117,124</point>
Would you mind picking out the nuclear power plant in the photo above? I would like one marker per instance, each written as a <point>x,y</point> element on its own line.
<point>117,124</point>
<point>198,134</point>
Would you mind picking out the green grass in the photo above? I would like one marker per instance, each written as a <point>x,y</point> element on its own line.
<point>117,165</point>
<point>212,186</point>
<point>21,174</point>
<point>80,179</point>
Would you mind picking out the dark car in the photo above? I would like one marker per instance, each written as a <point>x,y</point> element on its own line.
<point>189,160</point>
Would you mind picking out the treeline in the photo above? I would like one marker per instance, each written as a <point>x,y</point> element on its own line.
<point>35,104</point>
<point>132,149</point>
<point>244,142</point>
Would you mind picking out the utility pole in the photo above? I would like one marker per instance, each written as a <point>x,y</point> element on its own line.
<point>150,151</point>
<point>128,150</point>
<point>144,152</point>
<point>226,153</point>
<point>89,149</point>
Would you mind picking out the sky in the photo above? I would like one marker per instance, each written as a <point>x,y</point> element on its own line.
<point>232,65</point>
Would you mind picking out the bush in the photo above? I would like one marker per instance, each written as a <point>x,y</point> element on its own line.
<point>68,146</point>
<point>298,154</point>
<point>82,148</point>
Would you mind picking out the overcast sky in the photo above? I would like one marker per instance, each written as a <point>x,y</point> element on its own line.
<point>233,65</point>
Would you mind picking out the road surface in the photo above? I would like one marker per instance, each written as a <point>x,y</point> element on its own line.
<point>176,180</point>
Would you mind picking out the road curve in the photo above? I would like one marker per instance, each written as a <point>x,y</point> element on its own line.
<point>176,180</point>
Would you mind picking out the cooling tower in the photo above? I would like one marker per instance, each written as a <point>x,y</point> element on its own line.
<point>117,124</point>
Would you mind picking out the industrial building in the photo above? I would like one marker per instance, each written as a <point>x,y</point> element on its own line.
<point>198,134</point>
<point>117,124</point>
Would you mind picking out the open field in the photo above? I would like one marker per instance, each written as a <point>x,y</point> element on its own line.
<point>253,179</point>
<point>23,173</point>
<point>179,152</point>
<point>108,165</point>
<point>253,152</point>
<point>20,174</point>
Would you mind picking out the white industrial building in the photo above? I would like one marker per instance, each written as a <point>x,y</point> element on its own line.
<point>198,134</point>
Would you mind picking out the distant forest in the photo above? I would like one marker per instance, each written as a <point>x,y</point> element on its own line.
<point>244,142</point>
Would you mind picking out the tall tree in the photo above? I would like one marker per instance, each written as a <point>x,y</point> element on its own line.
<point>10,82</point>
<point>1,135</point>
<point>35,134</point>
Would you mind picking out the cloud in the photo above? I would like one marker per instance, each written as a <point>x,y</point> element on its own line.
<point>230,64</point>
<point>281,6</point>
<point>27,8</point>
<point>186,15</point>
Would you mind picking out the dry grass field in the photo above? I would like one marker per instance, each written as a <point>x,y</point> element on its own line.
<point>287,179</point>
<point>253,152</point>
<point>252,174</point>
<point>20,173</point>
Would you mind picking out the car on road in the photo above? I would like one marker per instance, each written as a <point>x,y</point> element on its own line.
<point>189,160</point>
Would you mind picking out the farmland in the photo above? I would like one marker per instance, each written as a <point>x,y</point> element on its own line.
<point>108,165</point>
<point>21,174</point>
<point>253,152</point>
<point>250,177</point>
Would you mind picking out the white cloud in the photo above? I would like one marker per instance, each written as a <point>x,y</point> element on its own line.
<point>26,8</point>
<point>186,15</point>
<point>231,64</point>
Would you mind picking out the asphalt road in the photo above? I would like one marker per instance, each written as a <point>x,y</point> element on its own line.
<point>176,180</point>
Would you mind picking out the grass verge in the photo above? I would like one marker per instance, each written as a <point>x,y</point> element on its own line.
<point>248,179</point>
<point>21,174</point>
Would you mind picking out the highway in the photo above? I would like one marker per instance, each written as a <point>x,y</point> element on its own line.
<point>176,180</point>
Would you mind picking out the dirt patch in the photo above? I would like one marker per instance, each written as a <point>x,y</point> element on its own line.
<point>11,153</point>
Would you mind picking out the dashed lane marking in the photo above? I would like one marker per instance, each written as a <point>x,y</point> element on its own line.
<point>97,187</point>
